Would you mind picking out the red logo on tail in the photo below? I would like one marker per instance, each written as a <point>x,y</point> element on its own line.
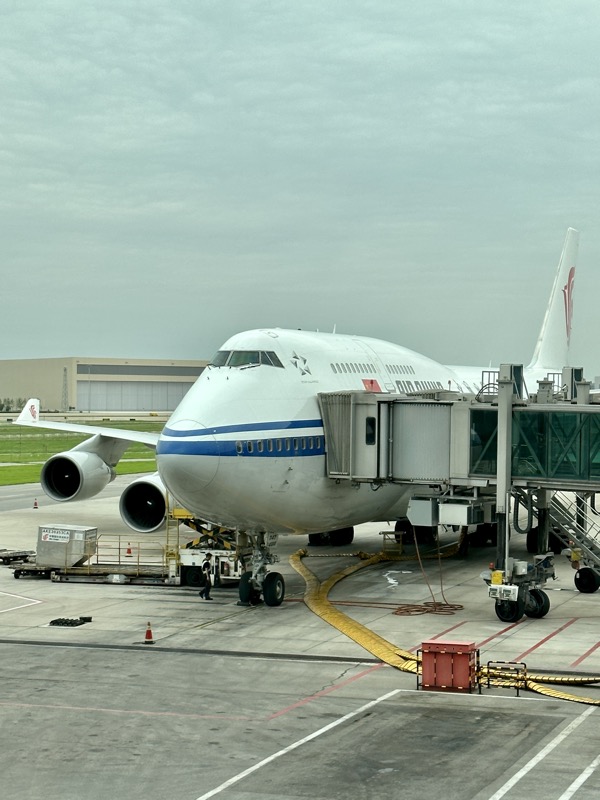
<point>568,298</point>
<point>33,412</point>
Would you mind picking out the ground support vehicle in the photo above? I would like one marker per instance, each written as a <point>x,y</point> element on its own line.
<point>9,556</point>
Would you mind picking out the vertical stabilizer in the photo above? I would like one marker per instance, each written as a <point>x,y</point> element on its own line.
<point>552,348</point>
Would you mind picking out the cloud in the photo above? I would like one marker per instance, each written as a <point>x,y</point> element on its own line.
<point>373,164</point>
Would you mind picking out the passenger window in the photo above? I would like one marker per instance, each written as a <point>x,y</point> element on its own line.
<point>279,445</point>
<point>295,444</point>
<point>310,443</point>
<point>238,447</point>
<point>270,445</point>
<point>250,447</point>
<point>260,445</point>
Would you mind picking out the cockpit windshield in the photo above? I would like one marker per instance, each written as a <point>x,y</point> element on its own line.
<point>245,358</point>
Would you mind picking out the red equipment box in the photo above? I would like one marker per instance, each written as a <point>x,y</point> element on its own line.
<point>449,666</point>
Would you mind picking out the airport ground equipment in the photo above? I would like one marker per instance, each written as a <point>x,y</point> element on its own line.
<point>80,554</point>
<point>464,457</point>
<point>451,666</point>
<point>65,545</point>
<point>517,590</point>
<point>77,553</point>
<point>225,564</point>
<point>9,556</point>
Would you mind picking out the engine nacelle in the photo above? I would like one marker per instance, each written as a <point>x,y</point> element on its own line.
<point>143,504</point>
<point>75,475</point>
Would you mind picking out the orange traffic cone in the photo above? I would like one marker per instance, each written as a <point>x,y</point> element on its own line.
<point>35,504</point>
<point>128,551</point>
<point>148,638</point>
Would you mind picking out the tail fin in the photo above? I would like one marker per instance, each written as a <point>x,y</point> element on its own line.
<point>552,348</point>
<point>30,415</point>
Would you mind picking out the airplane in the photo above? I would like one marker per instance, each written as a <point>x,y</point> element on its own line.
<point>245,449</point>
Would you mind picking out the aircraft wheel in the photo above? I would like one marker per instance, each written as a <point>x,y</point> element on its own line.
<point>17,573</point>
<point>538,604</point>
<point>425,534</point>
<point>342,537</point>
<point>404,531</point>
<point>587,581</point>
<point>248,594</point>
<point>510,610</point>
<point>273,589</point>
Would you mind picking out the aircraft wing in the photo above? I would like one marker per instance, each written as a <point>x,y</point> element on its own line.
<point>30,416</point>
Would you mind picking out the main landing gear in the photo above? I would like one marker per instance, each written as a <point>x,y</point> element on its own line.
<point>340,538</point>
<point>256,584</point>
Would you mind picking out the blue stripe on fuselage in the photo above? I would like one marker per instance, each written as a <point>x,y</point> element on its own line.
<point>246,426</point>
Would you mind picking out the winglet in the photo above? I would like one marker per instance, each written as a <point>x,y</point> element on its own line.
<point>30,414</point>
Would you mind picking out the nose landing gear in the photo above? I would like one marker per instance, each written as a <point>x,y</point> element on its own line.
<point>256,554</point>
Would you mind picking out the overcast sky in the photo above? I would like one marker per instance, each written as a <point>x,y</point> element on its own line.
<point>175,172</point>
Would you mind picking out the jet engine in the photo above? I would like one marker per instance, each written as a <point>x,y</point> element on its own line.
<point>143,504</point>
<point>75,475</point>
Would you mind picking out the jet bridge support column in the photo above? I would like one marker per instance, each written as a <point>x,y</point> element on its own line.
<point>503,477</point>
<point>543,532</point>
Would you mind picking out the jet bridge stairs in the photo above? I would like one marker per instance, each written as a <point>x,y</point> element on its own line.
<point>574,526</point>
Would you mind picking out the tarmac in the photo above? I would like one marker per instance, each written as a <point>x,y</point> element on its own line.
<point>244,702</point>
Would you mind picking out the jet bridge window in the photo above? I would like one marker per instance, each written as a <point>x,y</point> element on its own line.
<point>370,430</point>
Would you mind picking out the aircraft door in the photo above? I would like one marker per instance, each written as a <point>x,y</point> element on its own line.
<point>365,431</point>
<point>385,380</point>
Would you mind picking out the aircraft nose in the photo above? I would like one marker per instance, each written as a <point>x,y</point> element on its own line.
<point>188,459</point>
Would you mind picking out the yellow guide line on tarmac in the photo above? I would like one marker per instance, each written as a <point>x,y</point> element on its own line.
<point>316,599</point>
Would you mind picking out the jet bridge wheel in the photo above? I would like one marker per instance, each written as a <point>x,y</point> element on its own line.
<point>587,580</point>
<point>510,610</point>
<point>273,589</point>
<point>537,604</point>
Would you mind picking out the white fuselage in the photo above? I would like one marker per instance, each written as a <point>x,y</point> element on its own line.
<point>245,448</point>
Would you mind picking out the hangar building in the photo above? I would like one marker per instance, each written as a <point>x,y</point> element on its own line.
<point>99,384</point>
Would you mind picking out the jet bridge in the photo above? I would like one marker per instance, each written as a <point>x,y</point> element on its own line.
<point>468,455</point>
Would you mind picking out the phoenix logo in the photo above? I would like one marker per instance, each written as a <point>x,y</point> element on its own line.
<point>568,299</point>
<point>301,363</point>
<point>33,412</point>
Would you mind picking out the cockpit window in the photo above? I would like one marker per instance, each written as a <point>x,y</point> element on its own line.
<point>270,358</point>
<point>241,358</point>
<point>245,358</point>
<point>220,359</point>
